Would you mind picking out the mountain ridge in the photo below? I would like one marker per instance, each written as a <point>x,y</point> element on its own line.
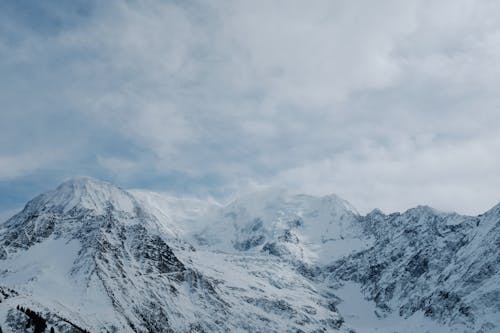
<point>271,261</point>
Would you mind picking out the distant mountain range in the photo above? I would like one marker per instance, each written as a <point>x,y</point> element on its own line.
<point>92,257</point>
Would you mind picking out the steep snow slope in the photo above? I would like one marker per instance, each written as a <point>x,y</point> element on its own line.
<point>182,216</point>
<point>89,255</point>
<point>93,255</point>
<point>91,248</point>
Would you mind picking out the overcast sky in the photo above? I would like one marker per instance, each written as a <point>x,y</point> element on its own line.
<point>388,104</point>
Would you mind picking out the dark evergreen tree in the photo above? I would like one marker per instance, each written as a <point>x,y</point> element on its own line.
<point>36,320</point>
<point>51,330</point>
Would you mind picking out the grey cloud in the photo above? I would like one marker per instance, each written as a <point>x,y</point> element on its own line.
<point>389,104</point>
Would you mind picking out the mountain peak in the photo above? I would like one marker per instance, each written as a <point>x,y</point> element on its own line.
<point>273,197</point>
<point>86,193</point>
<point>83,180</point>
<point>424,210</point>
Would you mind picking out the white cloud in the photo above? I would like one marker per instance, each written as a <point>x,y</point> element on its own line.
<point>13,166</point>
<point>460,176</point>
<point>389,103</point>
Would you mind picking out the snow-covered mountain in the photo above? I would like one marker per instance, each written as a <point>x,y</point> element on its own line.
<point>89,256</point>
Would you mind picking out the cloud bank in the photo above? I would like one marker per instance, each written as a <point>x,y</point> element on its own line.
<point>388,104</point>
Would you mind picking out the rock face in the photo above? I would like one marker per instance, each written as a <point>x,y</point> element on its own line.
<point>112,255</point>
<point>91,256</point>
<point>444,265</point>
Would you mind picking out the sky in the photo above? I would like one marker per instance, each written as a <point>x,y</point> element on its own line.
<point>388,104</point>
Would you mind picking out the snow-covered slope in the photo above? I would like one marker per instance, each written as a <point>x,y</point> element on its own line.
<point>312,230</point>
<point>182,216</point>
<point>444,266</point>
<point>95,256</point>
<point>91,256</point>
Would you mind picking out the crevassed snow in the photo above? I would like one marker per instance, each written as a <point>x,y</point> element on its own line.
<point>326,227</point>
